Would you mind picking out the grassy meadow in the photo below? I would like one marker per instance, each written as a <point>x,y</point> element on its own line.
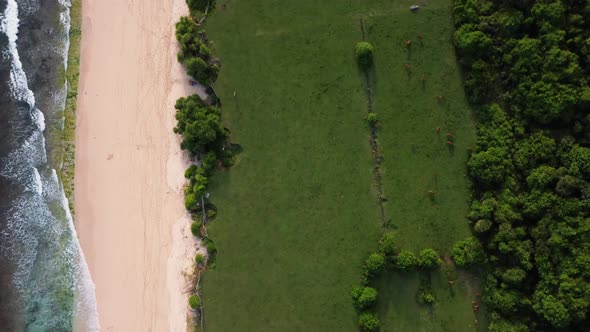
<point>298,212</point>
<point>424,178</point>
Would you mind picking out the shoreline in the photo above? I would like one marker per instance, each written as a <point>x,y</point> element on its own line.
<point>65,167</point>
<point>130,216</point>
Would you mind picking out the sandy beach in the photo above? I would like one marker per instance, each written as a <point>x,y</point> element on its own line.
<point>130,215</point>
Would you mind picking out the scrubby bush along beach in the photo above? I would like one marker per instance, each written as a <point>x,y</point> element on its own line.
<point>203,136</point>
<point>526,65</point>
<point>194,51</point>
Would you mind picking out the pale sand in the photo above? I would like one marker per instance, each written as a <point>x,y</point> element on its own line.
<point>130,215</point>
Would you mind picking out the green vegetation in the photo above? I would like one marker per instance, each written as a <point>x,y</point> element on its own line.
<point>194,52</point>
<point>364,54</point>
<point>298,208</point>
<point>297,217</point>
<point>194,302</point>
<point>429,259</point>
<point>424,134</point>
<point>368,322</point>
<point>526,65</point>
<point>62,155</point>
<point>468,252</point>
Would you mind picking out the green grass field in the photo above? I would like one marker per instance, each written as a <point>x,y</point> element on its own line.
<point>298,212</point>
<point>417,159</point>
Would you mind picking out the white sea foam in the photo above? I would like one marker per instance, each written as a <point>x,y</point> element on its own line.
<point>37,181</point>
<point>9,25</point>
<point>40,229</point>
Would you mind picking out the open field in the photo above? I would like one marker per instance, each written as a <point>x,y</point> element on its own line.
<point>298,214</point>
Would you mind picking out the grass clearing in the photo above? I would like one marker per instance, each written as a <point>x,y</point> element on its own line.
<point>298,212</point>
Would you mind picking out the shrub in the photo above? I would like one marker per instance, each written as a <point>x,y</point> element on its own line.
<point>372,118</point>
<point>364,54</point>
<point>364,297</point>
<point>482,226</point>
<point>425,297</point>
<point>374,263</point>
<point>194,302</point>
<point>406,261</point>
<point>190,172</point>
<point>211,249</point>
<point>429,259</point>
<point>200,5</point>
<point>468,252</point>
<point>387,244</point>
<point>200,259</point>
<point>368,322</point>
<point>356,293</point>
<point>195,228</point>
<point>190,202</point>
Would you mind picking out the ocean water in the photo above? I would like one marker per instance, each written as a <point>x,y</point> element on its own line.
<point>44,281</point>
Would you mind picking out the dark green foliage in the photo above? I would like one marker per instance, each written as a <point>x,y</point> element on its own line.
<point>531,166</point>
<point>200,5</point>
<point>364,297</point>
<point>425,297</point>
<point>200,259</point>
<point>468,252</point>
<point>406,261</point>
<point>429,259</point>
<point>482,226</point>
<point>368,322</point>
<point>194,302</point>
<point>387,244</point>
<point>200,126</point>
<point>372,119</point>
<point>489,167</point>
<point>191,202</point>
<point>364,55</point>
<point>195,228</point>
<point>374,264</point>
<point>194,52</point>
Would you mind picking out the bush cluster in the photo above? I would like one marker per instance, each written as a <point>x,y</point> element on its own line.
<point>194,51</point>
<point>526,66</point>
<point>364,55</point>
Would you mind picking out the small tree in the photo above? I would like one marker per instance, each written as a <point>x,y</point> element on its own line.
<point>194,302</point>
<point>190,202</point>
<point>366,298</point>
<point>368,321</point>
<point>374,263</point>
<point>468,252</point>
<point>429,259</point>
<point>406,261</point>
<point>387,244</point>
<point>364,54</point>
<point>372,118</point>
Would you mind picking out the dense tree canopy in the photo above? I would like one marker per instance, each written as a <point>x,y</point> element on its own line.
<point>526,65</point>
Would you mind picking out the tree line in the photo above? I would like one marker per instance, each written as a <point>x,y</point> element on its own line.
<point>203,134</point>
<point>526,65</point>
